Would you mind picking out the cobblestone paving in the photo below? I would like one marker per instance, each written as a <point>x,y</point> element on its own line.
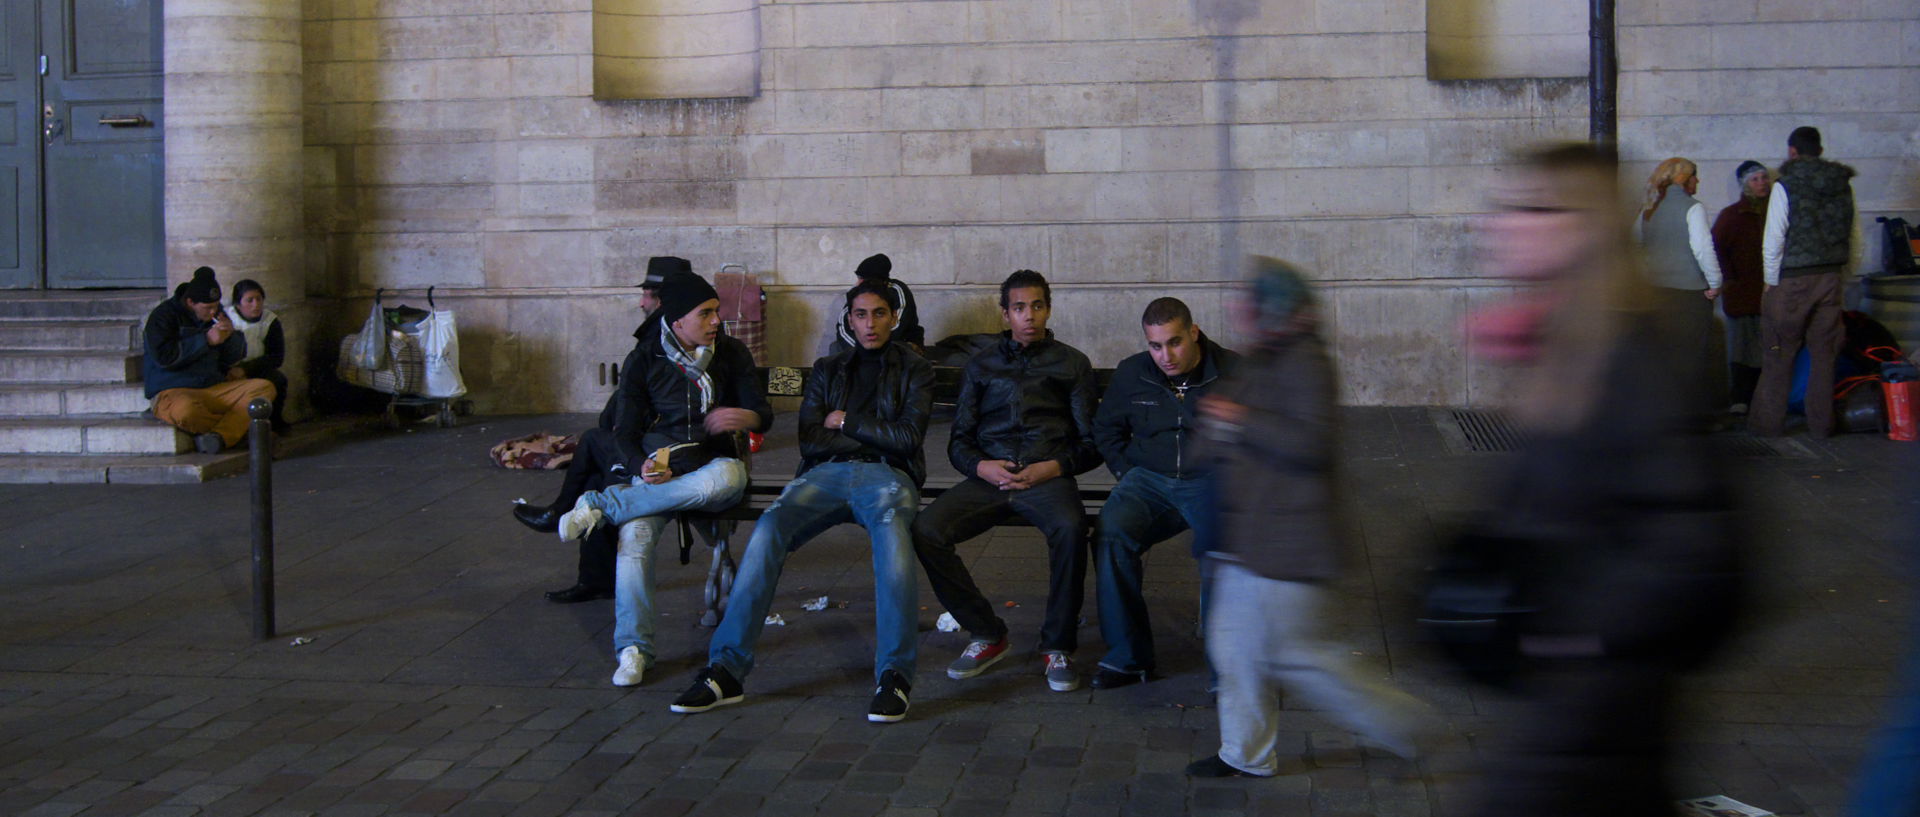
<point>438,681</point>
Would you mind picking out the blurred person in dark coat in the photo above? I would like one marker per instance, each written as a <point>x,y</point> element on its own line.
<point>1269,436</point>
<point>1620,510</point>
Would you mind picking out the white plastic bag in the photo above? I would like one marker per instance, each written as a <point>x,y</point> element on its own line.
<point>368,349</point>
<point>441,343</point>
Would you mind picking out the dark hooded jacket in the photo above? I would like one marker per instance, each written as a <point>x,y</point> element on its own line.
<point>896,426</point>
<point>657,406</point>
<point>175,352</point>
<point>1026,404</point>
<point>1145,422</point>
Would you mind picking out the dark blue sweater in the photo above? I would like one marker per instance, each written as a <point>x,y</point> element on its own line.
<point>176,352</point>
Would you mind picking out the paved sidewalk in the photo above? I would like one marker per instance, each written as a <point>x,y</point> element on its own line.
<point>438,681</point>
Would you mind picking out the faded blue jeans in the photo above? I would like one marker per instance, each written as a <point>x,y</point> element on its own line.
<point>641,511</point>
<point>872,495</point>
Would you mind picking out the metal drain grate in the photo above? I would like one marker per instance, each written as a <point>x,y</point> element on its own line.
<point>1476,431</point>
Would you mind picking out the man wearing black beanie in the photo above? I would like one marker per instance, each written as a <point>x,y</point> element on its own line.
<point>190,364</point>
<point>878,268</point>
<point>596,457</point>
<point>687,397</point>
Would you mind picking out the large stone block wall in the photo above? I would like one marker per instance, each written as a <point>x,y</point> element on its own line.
<point>457,144</point>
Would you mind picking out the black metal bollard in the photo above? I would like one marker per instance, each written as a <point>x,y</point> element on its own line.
<point>260,463</point>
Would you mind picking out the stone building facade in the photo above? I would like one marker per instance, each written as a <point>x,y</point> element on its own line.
<point>332,147</point>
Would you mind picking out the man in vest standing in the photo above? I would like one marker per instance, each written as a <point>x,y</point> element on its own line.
<point>1806,248</point>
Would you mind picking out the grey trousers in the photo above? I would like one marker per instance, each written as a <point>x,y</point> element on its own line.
<point>1263,635</point>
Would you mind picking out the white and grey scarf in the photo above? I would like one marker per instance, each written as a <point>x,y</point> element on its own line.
<point>694,366</point>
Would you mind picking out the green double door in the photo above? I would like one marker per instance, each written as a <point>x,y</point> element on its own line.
<point>80,152</point>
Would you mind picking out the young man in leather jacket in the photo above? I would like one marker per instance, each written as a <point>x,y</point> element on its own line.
<point>862,421</point>
<point>1022,430</point>
<point>1146,429</point>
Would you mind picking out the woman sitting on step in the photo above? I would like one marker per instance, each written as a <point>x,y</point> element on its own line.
<point>266,344</point>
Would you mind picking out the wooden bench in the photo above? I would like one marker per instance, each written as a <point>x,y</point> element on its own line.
<point>716,528</point>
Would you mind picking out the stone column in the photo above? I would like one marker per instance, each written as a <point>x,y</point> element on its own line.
<point>233,102</point>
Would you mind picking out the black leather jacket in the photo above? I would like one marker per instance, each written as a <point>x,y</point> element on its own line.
<point>1144,423</point>
<point>898,425</point>
<point>658,406</point>
<point>1026,404</point>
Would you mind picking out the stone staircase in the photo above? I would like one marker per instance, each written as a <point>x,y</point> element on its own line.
<point>70,393</point>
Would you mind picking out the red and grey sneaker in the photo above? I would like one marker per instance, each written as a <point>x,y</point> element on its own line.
<point>980,654</point>
<point>1061,676</point>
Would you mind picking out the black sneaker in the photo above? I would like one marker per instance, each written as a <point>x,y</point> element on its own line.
<point>714,686</point>
<point>1213,767</point>
<point>890,698</point>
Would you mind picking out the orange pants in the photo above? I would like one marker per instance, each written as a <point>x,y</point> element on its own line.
<point>220,408</point>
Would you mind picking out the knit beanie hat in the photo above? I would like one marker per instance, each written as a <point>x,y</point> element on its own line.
<point>1748,166</point>
<point>680,294</point>
<point>875,268</point>
<point>660,267</point>
<point>1278,289</point>
<point>203,288</point>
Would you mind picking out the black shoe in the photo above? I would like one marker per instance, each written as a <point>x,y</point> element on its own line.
<point>578,593</point>
<point>1113,679</point>
<point>208,443</point>
<point>714,686</point>
<point>542,518</point>
<point>282,427</point>
<point>1213,766</point>
<point>890,698</point>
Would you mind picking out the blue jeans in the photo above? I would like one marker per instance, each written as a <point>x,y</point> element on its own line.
<point>1145,508</point>
<point>872,495</point>
<point>641,511</point>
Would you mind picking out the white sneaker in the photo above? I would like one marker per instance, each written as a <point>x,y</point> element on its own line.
<point>631,668</point>
<point>579,521</point>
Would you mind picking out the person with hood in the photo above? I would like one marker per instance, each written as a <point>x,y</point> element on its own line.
<point>190,363</point>
<point>862,422</point>
<point>687,398</point>
<point>596,461</point>
<point>266,343</point>
<point>878,269</point>
<point>1270,434</point>
<point>1805,252</point>
<point>1146,429</point>
<point>1737,235</point>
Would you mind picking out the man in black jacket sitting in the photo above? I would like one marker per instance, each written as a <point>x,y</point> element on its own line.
<point>688,395</point>
<point>596,462</point>
<point>1146,430</point>
<point>1022,430</point>
<point>862,421</point>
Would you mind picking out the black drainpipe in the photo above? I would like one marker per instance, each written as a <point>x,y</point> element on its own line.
<point>1603,73</point>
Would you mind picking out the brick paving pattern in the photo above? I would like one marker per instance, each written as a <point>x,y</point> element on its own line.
<point>439,682</point>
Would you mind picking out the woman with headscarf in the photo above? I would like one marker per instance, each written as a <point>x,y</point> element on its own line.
<point>1269,434</point>
<point>1683,268</point>
<point>1737,235</point>
<point>1617,515</point>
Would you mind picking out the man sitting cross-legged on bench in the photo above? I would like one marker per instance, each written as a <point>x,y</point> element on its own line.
<point>1022,430</point>
<point>693,390</point>
<point>862,421</point>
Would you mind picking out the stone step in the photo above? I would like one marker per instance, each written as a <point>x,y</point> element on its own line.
<point>59,305</point>
<point>109,434</point>
<point>55,399</point>
<point>114,334</point>
<point>69,367</point>
<point>179,468</point>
